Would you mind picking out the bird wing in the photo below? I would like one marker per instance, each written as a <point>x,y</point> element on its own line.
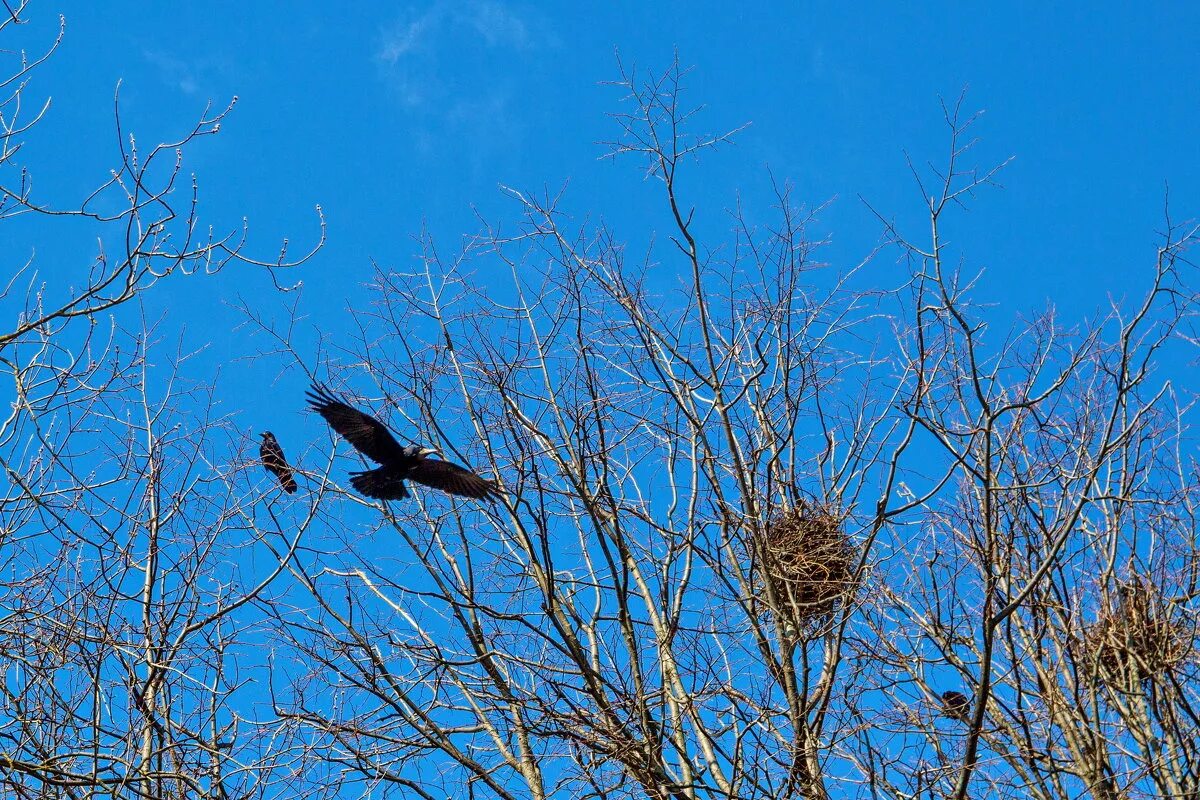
<point>276,462</point>
<point>368,435</point>
<point>453,479</point>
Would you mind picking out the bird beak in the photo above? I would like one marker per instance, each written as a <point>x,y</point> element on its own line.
<point>429,451</point>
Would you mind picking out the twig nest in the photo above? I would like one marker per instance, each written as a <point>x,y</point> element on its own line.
<point>807,563</point>
<point>1137,636</point>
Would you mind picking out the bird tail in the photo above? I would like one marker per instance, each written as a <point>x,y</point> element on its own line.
<point>380,482</point>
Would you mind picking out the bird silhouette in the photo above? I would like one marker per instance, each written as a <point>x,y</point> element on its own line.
<point>276,463</point>
<point>956,705</point>
<point>398,463</point>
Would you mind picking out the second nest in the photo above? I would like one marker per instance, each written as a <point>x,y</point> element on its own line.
<point>808,562</point>
<point>1138,636</point>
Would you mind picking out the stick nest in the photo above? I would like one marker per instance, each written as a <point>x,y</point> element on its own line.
<point>1137,637</point>
<point>808,562</point>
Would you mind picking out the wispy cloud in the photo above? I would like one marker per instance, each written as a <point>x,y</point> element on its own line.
<point>418,33</point>
<point>174,72</point>
<point>409,33</point>
<point>204,76</point>
<point>451,66</point>
<point>498,24</point>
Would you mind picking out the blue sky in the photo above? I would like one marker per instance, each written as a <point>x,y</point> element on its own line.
<point>395,116</point>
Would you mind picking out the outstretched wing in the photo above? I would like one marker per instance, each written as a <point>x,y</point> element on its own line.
<point>368,435</point>
<point>276,463</point>
<point>453,479</point>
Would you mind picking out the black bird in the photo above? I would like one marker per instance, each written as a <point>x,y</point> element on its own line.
<point>276,463</point>
<point>371,437</point>
<point>956,705</point>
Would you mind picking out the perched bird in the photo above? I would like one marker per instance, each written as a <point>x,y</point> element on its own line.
<point>276,463</point>
<point>956,705</point>
<point>371,437</point>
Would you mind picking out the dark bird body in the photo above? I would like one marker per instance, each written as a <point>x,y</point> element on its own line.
<point>398,463</point>
<point>956,705</point>
<point>276,463</point>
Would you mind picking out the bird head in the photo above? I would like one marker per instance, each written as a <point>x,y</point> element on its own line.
<point>428,451</point>
<point>267,435</point>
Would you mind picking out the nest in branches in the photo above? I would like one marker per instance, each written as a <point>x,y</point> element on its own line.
<point>806,564</point>
<point>1137,637</point>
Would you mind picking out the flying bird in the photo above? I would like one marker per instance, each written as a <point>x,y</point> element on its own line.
<point>371,437</point>
<point>276,463</point>
<point>956,705</point>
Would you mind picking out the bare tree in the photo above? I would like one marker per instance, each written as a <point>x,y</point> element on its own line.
<point>133,537</point>
<point>770,528</point>
<point>663,604</point>
<point>767,533</point>
<point>1056,572</point>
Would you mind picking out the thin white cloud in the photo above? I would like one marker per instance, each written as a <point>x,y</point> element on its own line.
<point>174,72</point>
<point>418,33</point>
<point>409,33</point>
<point>458,99</point>
<point>497,23</point>
<point>206,75</point>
